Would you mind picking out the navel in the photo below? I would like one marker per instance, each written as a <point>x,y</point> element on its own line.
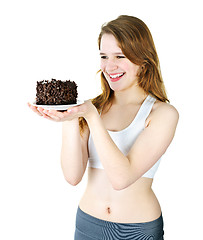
<point>108,210</point>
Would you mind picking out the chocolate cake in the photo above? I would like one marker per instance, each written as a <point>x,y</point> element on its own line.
<point>56,92</point>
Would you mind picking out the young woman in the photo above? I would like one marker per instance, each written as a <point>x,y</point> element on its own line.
<point>122,133</point>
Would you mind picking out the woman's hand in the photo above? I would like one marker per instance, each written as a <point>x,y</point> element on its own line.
<point>85,110</point>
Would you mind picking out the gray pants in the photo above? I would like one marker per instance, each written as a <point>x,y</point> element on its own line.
<point>90,228</point>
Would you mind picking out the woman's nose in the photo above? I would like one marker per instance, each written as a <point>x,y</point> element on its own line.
<point>111,66</point>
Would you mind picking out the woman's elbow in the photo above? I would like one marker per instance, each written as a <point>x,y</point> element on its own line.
<point>72,180</point>
<point>123,183</point>
<point>120,185</point>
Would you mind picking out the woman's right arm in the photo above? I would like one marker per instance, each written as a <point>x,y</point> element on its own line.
<point>74,152</point>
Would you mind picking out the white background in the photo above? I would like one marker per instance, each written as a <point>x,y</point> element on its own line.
<point>46,39</point>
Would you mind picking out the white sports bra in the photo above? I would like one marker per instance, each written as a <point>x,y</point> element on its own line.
<point>125,138</point>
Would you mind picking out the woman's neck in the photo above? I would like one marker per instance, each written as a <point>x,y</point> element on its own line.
<point>130,96</point>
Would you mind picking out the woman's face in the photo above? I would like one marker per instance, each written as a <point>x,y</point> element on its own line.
<point>118,70</point>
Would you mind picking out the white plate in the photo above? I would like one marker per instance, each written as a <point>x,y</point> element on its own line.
<point>58,107</point>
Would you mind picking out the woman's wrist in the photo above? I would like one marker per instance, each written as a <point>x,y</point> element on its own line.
<point>93,119</point>
<point>92,115</point>
<point>70,123</point>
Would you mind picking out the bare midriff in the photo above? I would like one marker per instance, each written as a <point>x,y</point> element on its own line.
<point>134,204</point>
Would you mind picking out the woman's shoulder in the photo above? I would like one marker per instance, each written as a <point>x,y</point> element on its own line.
<point>165,107</point>
<point>163,111</point>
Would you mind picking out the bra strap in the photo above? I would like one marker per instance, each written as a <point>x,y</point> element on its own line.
<point>146,107</point>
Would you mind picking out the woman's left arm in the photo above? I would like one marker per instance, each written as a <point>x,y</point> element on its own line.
<point>150,145</point>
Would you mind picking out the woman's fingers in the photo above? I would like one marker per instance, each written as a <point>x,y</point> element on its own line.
<point>34,109</point>
<point>53,114</point>
<point>58,116</point>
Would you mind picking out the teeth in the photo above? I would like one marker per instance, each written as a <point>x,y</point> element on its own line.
<point>117,75</point>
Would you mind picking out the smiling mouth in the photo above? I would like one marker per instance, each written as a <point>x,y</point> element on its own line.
<point>116,77</point>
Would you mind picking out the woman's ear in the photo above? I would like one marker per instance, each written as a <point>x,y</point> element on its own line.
<point>140,69</point>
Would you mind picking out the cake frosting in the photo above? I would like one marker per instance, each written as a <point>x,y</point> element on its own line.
<point>56,92</point>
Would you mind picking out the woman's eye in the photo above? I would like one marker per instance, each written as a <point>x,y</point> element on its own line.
<point>119,57</point>
<point>103,57</point>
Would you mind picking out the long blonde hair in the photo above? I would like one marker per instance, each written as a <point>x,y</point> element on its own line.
<point>136,43</point>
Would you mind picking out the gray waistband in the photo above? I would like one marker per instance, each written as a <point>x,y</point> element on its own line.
<point>148,225</point>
